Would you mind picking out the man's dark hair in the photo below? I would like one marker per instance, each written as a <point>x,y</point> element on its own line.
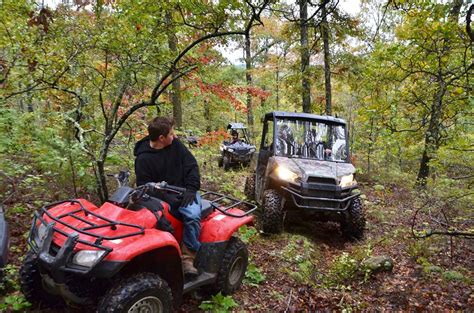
<point>234,133</point>
<point>159,126</point>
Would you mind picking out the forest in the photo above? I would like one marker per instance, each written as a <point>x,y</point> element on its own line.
<point>80,80</point>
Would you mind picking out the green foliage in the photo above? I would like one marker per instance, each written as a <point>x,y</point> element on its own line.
<point>454,276</point>
<point>253,275</point>
<point>301,253</point>
<point>218,304</point>
<point>247,233</point>
<point>347,267</point>
<point>14,303</point>
<point>10,280</point>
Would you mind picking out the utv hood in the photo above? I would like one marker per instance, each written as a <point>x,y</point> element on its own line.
<point>306,168</point>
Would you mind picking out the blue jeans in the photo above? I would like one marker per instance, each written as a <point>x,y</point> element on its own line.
<point>191,217</point>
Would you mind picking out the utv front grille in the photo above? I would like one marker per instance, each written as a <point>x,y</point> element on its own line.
<point>242,151</point>
<point>321,180</point>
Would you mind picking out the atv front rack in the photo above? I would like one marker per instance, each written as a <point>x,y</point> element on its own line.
<point>224,204</point>
<point>88,230</point>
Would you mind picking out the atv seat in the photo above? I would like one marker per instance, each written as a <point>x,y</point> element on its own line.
<point>206,208</point>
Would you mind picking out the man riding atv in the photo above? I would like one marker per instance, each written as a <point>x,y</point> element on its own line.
<point>161,157</point>
<point>238,151</point>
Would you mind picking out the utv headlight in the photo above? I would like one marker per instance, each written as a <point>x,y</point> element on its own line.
<point>230,150</point>
<point>87,258</point>
<point>347,181</point>
<point>252,150</point>
<point>285,174</point>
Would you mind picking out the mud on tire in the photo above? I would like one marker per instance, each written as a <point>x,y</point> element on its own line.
<point>233,267</point>
<point>353,223</point>
<point>31,284</point>
<point>143,291</point>
<point>272,215</point>
<point>249,188</point>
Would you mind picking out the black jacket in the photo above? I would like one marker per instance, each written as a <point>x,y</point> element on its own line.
<point>173,164</point>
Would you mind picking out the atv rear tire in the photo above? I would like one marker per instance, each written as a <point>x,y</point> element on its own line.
<point>272,215</point>
<point>249,188</point>
<point>353,223</point>
<point>225,163</point>
<point>31,284</point>
<point>233,267</point>
<point>143,292</point>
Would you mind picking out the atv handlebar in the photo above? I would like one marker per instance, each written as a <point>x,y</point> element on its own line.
<point>167,187</point>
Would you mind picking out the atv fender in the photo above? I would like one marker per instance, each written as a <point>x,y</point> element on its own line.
<point>220,227</point>
<point>152,239</point>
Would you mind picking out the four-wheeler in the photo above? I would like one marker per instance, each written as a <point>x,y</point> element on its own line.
<point>238,150</point>
<point>303,167</point>
<point>118,257</point>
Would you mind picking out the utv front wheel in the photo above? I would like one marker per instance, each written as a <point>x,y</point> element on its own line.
<point>272,215</point>
<point>31,284</point>
<point>233,266</point>
<point>144,292</point>
<point>249,189</point>
<point>353,223</point>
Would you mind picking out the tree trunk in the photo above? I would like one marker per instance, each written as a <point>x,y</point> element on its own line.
<point>248,77</point>
<point>305,83</point>
<point>432,135</point>
<point>207,115</point>
<point>176,90</point>
<point>327,59</point>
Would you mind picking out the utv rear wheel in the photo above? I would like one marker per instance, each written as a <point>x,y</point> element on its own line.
<point>233,267</point>
<point>353,223</point>
<point>272,215</point>
<point>144,292</point>
<point>249,189</point>
<point>31,284</point>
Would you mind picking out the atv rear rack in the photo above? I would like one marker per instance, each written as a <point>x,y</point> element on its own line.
<point>224,203</point>
<point>38,215</point>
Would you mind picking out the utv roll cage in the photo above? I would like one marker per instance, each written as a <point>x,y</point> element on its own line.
<point>278,115</point>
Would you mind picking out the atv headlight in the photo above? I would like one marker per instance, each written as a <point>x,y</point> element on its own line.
<point>87,258</point>
<point>230,150</point>
<point>347,181</point>
<point>40,233</point>
<point>252,150</point>
<point>285,174</point>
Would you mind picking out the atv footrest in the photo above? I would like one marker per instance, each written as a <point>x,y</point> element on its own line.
<point>204,278</point>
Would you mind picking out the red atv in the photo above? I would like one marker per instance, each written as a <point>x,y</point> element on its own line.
<point>116,257</point>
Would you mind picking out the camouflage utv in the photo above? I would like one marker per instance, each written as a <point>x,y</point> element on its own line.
<point>303,166</point>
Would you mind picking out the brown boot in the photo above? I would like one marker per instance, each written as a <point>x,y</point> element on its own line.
<point>188,261</point>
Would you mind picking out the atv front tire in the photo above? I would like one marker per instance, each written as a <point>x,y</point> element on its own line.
<point>31,284</point>
<point>353,223</point>
<point>225,163</point>
<point>143,292</point>
<point>233,267</point>
<point>249,188</point>
<point>272,215</point>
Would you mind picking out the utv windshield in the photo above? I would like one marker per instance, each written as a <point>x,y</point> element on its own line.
<point>311,140</point>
